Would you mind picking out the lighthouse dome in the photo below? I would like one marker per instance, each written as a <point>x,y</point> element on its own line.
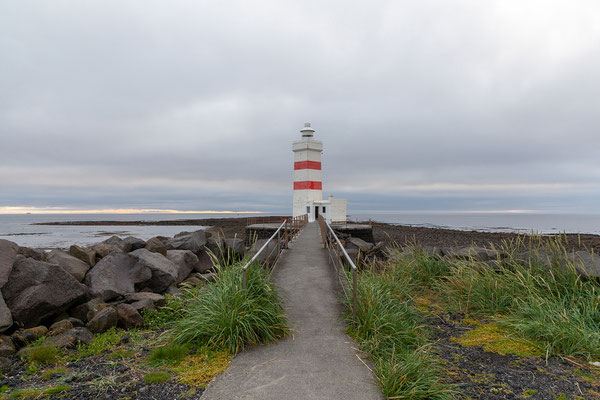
<point>307,131</point>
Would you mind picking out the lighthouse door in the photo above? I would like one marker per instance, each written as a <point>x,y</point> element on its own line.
<point>316,213</point>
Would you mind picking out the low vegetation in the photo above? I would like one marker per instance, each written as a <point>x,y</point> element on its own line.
<point>526,306</point>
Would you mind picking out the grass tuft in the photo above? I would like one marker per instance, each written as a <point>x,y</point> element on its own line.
<point>169,354</point>
<point>157,377</point>
<point>226,316</point>
<point>44,355</point>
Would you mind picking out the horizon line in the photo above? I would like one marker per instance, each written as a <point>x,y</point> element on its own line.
<point>60,210</point>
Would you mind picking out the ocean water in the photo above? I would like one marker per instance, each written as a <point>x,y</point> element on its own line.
<point>492,222</point>
<point>19,228</point>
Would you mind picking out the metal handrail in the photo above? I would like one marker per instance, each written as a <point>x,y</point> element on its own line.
<point>350,262</point>
<point>292,228</point>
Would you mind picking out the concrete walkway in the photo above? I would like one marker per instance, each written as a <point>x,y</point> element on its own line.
<point>318,360</point>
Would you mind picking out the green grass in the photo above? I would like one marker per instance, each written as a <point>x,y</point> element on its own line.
<point>157,377</point>
<point>550,305</point>
<point>101,343</point>
<point>389,328</point>
<point>169,354</point>
<point>223,315</point>
<point>43,355</point>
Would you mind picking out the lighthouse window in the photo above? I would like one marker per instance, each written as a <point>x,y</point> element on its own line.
<point>308,209</point>
<point>323,209</point>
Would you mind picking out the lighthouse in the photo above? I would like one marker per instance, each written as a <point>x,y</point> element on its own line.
<point>308,184</point>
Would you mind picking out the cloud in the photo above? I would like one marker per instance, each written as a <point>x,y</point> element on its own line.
<point>194,105</point>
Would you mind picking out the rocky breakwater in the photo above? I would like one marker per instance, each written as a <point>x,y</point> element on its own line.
<point>70,295</point>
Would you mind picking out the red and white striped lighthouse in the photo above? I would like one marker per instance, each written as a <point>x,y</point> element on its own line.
<point>307,172</point>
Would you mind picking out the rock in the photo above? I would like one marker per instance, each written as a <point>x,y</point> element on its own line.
<point>205,262</point>
<point>116,241</point>
<point>37,290</point>
<point>7,347</point>
<point>143,305</point>
<point>235,247</point>
<point>269,253</point>
<point>96,309</point>
<point>194,242</point>
<point>102,250</point>
<point>215,245</point>
<point>164,271</point>
<point>155,245</point>
<point>133,243</point>
<point>104,320</point>
<point>6,320</point>
<point>8,255</point>
<point>76,322</point>
<point>586,264</point>
<point>60,327</point>
<point>24,336</point>
<point>115,275</point>
<point>537,258</point>
<point>128,317</point>
<point>88,256</point>
<point>173,290</point>
<point>5,365</point>
<point>185,260</point>
<point>156,299</point>
<point>357,243</point>
<point>71,264</point>
<point>71,338</point>
<point>36,254</point>
<point>81,311</point>
<point>207,277</point>
<point>192,281</point>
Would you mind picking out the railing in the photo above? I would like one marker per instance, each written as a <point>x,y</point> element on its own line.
<point>265,220</point>
<point>290,228</point>
<point>336,252</point>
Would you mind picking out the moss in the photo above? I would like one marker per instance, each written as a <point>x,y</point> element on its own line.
<point>528,393</point>
<point>170,354</point>
<point>56,390</point>
<point>495,339</point>
<point>43,355</point>
<point>469,321</point>
<point>587,376</point>
<point>121,354</point>
<point>26,394</point>
<point>157,377</point>
<point>202,367</point>
<point>560,396</point>
<point>101,343</point>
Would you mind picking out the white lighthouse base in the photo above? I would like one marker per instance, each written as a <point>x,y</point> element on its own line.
<point>333,210</point>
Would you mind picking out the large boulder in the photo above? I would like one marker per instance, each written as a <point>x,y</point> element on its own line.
<point>6,320</point>
<point>586,264</point>
<point>471,253</point>
<point>7,347</point>
<point>133,243</point>
<point>164,271</point>
<point>115,275</point>
<point>88,256</point>
<point>156,245</point>
<point>128,317</point>
<point>194,242</point>
<point>71,338</point>
<point>116,241</point>
<point>59,327</point>
<point>8,254</point>
<point>37,290</point>
<point>205,262</point>
<point>185,260</point>
<point>82,311</point>
<point>157,299</point>
<point>36,254</point>
<point>104,249</point>
<point>104,320</point>
<point>235,247</point>
<point>72,265</point>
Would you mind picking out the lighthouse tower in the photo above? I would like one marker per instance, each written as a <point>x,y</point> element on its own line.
<point>308,186</point>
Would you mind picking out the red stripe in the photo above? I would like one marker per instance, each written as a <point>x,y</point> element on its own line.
<point>311,185</point>
<point>307,165</point>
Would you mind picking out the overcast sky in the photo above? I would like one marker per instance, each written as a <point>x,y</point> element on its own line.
<point>193,105</point>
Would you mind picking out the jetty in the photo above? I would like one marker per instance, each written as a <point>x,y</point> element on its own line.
<point>318,360</point>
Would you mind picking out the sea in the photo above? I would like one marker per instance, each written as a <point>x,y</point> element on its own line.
<point>19,228</point>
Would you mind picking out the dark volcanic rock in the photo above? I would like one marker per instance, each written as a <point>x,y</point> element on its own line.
<point>235,247</point>
<point>36,254</point>
<point>103,249</point>
<point>128,317</point>
<point>88,256</point>
<point>156,245</point>
<point>194,242</point>
<point>81,311</point>
<point>6,320</point>
<point>71,338</point>
<point>37,290</point>
<point>185,260</point>
<point>164,271</point>
<point>24,336</point>
<point>72,265</point>
<point>104,320</point>
<point>8,254</point>
<point>134,243</point>
<point>143,305</point>
<point>115,275</point>
<point>7,347</point>
<point>59,327</point>
<point>156,299</point>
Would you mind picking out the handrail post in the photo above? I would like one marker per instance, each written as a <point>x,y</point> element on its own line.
<point>354,301</point>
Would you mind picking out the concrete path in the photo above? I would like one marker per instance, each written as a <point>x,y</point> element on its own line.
<point>318,360</point>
